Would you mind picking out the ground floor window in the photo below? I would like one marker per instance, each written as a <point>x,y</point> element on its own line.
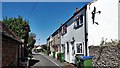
<point>79,48</point>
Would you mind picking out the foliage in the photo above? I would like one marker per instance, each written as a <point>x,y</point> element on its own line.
<point>19,26</point>
<point>103,41</point>
<point>112,42</point>
<point>31,42</point>
<point>118,42</point>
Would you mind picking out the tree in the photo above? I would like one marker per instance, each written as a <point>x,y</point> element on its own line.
<point>18,25</point>
<point>31,42</point>
<point>21,28</point>
<point>44,47</point>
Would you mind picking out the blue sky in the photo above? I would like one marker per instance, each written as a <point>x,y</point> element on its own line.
<point>44,17</point>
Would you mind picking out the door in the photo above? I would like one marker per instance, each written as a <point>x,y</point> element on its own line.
<point>73,52</point>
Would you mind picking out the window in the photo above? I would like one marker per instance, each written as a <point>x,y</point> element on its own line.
<point>67,47</point>
<point>79,21</point>
<point>58,34</point>
<point>64,29</point>
<point>79,48</point>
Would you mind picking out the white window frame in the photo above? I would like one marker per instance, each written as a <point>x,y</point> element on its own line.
<point>76,47</point>
<point>81,21</point>
<point>58,34</point>
<point>78,20</point>
<point>64,29</point>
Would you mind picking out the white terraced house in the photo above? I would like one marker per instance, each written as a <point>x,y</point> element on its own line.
<point>88,26</point>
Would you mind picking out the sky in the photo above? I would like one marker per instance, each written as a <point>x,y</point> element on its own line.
<point>44,17</point>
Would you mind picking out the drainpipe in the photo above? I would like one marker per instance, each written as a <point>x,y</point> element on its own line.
<point>86,34</point>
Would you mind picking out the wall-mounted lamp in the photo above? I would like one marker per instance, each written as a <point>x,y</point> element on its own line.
<point>99,12</point>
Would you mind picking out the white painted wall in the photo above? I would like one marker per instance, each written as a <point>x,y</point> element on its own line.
<point>108,21</point>
<point>78,35</point>
<point>107,28</point>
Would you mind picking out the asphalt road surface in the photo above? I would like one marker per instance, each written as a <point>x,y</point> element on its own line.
<point>44,62</point>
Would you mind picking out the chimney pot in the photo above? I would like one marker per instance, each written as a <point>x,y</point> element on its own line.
<point>76,10</point>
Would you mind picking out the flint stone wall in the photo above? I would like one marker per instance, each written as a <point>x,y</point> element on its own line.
<point>105,56</point>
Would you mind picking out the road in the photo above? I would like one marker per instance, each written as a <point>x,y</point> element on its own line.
<point>44,62</point>
<point>47,62</point>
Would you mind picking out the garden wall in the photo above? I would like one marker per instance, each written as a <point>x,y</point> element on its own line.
<point>105,56</point>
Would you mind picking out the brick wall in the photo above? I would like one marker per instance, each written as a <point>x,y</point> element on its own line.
<point>10,46</point>
<point>9,52</point>
<point>0,50</point>
<point>105,56</point>
<point>56,42</point>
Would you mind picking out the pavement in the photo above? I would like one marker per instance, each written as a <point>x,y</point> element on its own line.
<point>48,61</point>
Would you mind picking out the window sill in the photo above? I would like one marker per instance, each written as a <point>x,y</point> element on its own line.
<point>76,27</point>
<point>80,53</point>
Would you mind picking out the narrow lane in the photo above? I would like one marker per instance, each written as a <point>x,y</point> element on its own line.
<point>43,61</point>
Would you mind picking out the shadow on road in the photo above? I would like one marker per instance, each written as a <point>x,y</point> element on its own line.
<point>32,62</point>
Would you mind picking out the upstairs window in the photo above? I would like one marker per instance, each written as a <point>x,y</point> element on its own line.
<point>79,21</point>
<point>64,29</point>
<point>58,34</point>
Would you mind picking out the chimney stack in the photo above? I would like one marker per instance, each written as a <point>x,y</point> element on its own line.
<point>61,24</point>
<point>77,10</point>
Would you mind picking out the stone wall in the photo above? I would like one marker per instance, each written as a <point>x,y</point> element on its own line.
<point>105,56</point>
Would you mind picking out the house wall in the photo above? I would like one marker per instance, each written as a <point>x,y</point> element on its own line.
<point>0,46</point>
<point>53,45</point>
<point>77,34</point>
<point>107,20</point>
<point>9,52</point>
<point>54,41</point>
<point>50,42</point>
<point>0,50</point>
<point>47,44</point>
<point>57,39</point>
<point>57,42</point>
<point>10,47</point>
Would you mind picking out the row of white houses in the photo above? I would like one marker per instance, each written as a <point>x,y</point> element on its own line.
<point>86,27</point>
